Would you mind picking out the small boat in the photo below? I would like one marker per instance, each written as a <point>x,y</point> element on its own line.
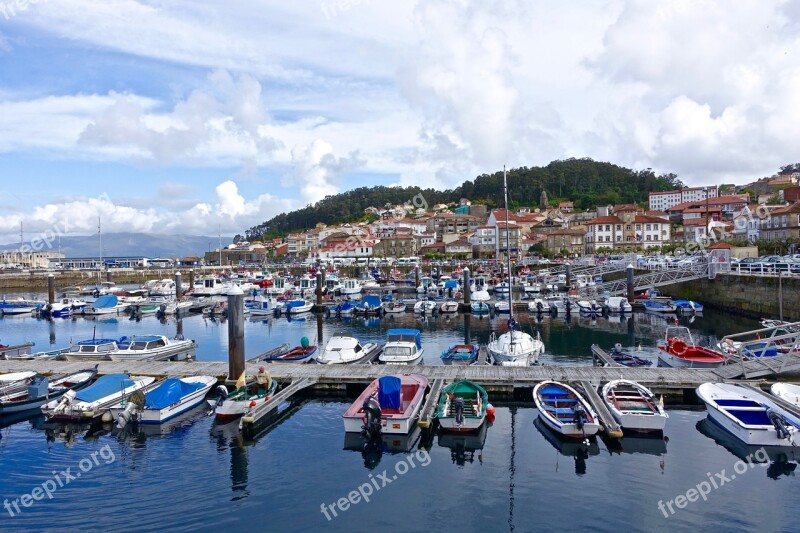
<point>403,347</point>
<point>750,415</point>
<point>297,306</point>
<point>16,308</point>
<point>95,399</point>
<point>148,348</point>
<point>688,306</point>
<point>501,288</point>
<point>65,307</point>
<point>344,308</point>
<point>502,306</point>
<point>788,392</point>
<point>108,304</point>
<point>656,306</point>
<point>425,307</point>
<point>537,305</point>
<point>299,354</point>
<point>369,305</point>
<point>479,308</point>
<point>462,406</point>
<point>634,406</point>
<point>389,405</point>
<point>626,359</point>
<point>515,347</point>
<point>261,307</point>
<point>564,410</point>
<point>449,307</point>
<point>618,304</point>
<point>171,398</point>
<point>679,350</point>
<point>590,308</point>
<point>230,406</point>
<point>342,349</point>
<point>15,382</point>
<point>43,389</point>
<point>283,348</point>
<point>460,354</point>
<point>394,307</point>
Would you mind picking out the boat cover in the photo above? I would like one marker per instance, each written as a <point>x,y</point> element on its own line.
<point>450,284</point>
<point>104,386</point>
<point>404,335</point>
<point>389,392</point>
<point>108,300</point>
<point>370,301</point>
<point>169,392</point>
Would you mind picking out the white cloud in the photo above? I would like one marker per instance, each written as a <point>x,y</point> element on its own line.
<point>316,167</point>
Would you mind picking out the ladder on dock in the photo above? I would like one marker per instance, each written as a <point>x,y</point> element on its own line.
<point>428,412</point>
<point>609,425</point>
<point>262,410</point>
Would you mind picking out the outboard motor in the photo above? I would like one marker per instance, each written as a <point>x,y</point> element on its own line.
<point>64,402</point>
<point>221,393</point>
<point>779,423</point>
<point>539,307</point>
<point>579,414</point>
<point>372,418</point>
<point>622,306</point>
<point>459,405</point>
<point>136,402</point>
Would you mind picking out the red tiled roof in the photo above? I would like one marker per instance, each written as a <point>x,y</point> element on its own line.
<point>605,220</point>
<point>638,219</point>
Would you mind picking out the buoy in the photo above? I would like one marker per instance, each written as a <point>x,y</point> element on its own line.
<point>490,417</point>
<point>107,417</point>
<point>252,403</point>
<point>489,409</point>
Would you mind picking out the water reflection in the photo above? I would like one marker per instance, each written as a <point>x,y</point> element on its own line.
<point>372,451</point>
<point>463,446</point>
<point>645,443</point>
<point>577,449</point>
<point>70,432</point>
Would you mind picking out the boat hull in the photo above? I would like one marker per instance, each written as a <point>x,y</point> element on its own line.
<point>159,416</point>
<point>391,424</point>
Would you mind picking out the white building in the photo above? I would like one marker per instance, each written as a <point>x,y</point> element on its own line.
<point>663,200</point>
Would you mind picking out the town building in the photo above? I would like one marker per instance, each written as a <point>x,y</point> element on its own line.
<point>663,200</point>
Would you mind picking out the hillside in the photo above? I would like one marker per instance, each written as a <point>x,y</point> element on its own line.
<point>585,182</point>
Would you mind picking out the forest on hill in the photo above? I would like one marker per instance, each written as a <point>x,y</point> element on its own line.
<point>585,182</point>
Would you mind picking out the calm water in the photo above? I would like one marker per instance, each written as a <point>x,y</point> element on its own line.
<point>194,475</point>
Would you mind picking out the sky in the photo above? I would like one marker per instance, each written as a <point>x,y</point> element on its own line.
<point>194,116</point>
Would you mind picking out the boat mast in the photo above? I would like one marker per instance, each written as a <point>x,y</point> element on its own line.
<point>100,266</point>
<point>508,261</point>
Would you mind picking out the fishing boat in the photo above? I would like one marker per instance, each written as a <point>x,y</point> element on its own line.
<point>261,307</point>
<point>230,406</point>
<point>462,406</point>
<point>42,389</point>
<point>15,382</point>
<point>297,306</point>
<point>655,306</point>
<point>369,305</point>
<point>627,359</point>
<point>634,406</point>
<point>389,405</point>
<point>564,410</point>
<point>350,286</point>
<point>589,308</point>
<point>403,347</point>
<point>425,307</point>
<point>299,354</point>
<point>95,399</point>
<point>460,354</point>
<point>618,304</point>
<point>16,308</point>
<point>789,392</point>
<point>394,307</point>
<point>88,350</point>
<point>750,415</point>
<point>211,286</point>
<point>679,350</point>
<point>169,399</point>
<point>448,307</point>
<point>479,308</point>
<point>342,349</point>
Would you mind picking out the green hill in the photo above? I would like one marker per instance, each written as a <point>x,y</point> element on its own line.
<point>585,182</point>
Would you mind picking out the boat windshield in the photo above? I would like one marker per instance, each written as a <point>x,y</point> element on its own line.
<point>397,351</point>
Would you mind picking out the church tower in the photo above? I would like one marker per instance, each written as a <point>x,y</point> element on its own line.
<point>543,200</point>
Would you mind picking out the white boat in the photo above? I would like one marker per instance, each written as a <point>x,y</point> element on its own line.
<point>389,405</point>
<point>502,306</point>
<point>88,350</point>
<point>15,382</point>
<point>532,287</point>
<point>170,398</point>
<point>394,307</point>
<point>153,348</point>
<point>65,307</point>
<point>260,306</point>
<point>403,347</point>
<point>162,287</point>
<point>108,304</point>
<point>174,307</point>
<point>229,406</point>
<point>211,286</point>
<point>425,307</point>
<point>449,307</point>
<point>94,400</point>
<point>342,349</point>
<point>42,389</point>
<point>297,307</point>
<point>538,305</point>
<point>589,307</point>
<point>564,410</point>
<point>634,406</point>
<point>750,415</point>
<point>350,286</point>
<point>788,392</point>
<point>618,304</point>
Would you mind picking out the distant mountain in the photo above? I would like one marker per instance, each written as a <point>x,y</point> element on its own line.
<point>134,244</point>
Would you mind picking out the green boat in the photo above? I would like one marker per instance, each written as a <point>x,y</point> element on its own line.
<point>462,406</point>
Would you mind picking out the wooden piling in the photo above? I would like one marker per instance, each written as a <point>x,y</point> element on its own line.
<point>235,333</point>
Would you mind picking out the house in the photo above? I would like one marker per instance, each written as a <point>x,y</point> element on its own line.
<point>663,200</point>
<point>433,248</point>
<point>484,241</point>
<point>626,231</point>
<point>424,239</point>
<point>526,221</point>
<point>727,204</point>
<point>566,207</point>
<point>397,246</point>
<point>507,239</point>
<point>450,224</point>
<point>461,247</point>
<point>782,224</point>
<point>566,241</point>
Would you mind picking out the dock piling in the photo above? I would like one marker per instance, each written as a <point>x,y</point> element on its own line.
<point>467,289</point>
<point>51,289</point>
<point>568,274</point>
<point>178,288</point>
<point>235,333</point>
<point>191,278</point>
<point>630,285</point>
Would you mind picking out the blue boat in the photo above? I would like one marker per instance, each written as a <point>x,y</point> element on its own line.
<point>174,396</point>
<point>369,305</point>
<point>688,305</point>
<point>656,306</point>
<point>460,354</point>
<point>344,308</point>
<point>480,308</point>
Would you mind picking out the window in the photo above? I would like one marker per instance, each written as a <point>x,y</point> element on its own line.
<point>639,226</point>
<point>619,227</point>
<point>784,221</point>
<point>648,227</point>
<point>627,227</point>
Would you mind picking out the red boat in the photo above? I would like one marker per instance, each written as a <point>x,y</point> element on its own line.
<point>679,350</point>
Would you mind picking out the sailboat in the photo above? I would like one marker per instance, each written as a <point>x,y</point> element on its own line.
<point>514,347</point>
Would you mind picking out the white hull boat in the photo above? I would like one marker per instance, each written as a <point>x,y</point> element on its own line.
<point>95,400</point>
<point>634,406</point>
<point>618,304</point>
<point>341,349</point>
<point>515,348</point>
<point>393,401</point>
<point>169,399</point>
<point>403,347</point>
<point>565,411</point>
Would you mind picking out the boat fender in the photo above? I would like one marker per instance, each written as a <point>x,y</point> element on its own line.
<point>617,348</point>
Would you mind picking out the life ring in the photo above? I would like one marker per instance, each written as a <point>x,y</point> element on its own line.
<point>679,347</point>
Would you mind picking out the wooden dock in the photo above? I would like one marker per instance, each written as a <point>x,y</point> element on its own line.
<point>427,414</point>
<point>601,358</point>
<point>261,413</point>
<point>607,422</point>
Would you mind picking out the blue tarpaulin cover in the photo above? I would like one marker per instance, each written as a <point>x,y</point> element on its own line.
<point>389,392</point>
<point>450,284</point>
<point>370,301</point>
<point>108,300</point>
<point>104,386</point>
<point>169,392</point>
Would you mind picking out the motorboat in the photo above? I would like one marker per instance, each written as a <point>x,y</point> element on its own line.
<point>170,398</point>
<point>389,405</point>
<point>750,415</point>
<point>299,354</point>
<point>656,306</point>
<point>479,308</point>
<point>680,350</point>
<point>153,348</point>
<point>65,307</point>
<point>229,406</point>
<point>42,389</point>
<point>297,306</point>
<point>394,307</point>
<point>449,307</point>
<point>426,307</point>
<point>788,392</point>
<point>618,304</point>
<point>211,286</point>
<point>538,305</point>
<point>460,354</point>
<point>108,304</point>
<point>369,305</point>
<point>15,382</point>
<point>95,399</point>
<point>350,286</point>
<point>634,406</point>
<point>688,306</point>
<point>403,347</point>
<point>462,406</point>
<point>565,411</point>
<point>589,308</point>
<point>344,308</point>
<point>502,306</point>
<point>342,349</point>
<point>515,347</point>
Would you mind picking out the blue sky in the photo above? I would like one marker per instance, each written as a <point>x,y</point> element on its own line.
<point>188,115</point>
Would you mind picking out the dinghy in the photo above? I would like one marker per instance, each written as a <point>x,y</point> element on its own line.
<point>230,406</point>
<point>95,399</point>
<point>389,405</point>
<point>171,398</point>
<point>42,389</point>
<point>449,307</point>
<point>460,354</point>
<point>462,406</point>
<point>634,406</point>
<point>564,410</point>
<point>788,392</point>
<point>299,354</point>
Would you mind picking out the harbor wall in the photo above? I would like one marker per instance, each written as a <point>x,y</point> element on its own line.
<point>752,296</point>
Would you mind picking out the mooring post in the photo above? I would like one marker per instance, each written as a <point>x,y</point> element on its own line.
<point>51,289</point>
<point>568,275</point>
<point>319,330</point>
<point>319,292</point>
<point>191,278</point>
<point>235,333</point>
<point>467,288</point>
<point>416,278</point>
<point>178,327</point>
<point>108,275</point>
<point>178,287</point>
<point>629,272</point>
<point>780,295</point>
